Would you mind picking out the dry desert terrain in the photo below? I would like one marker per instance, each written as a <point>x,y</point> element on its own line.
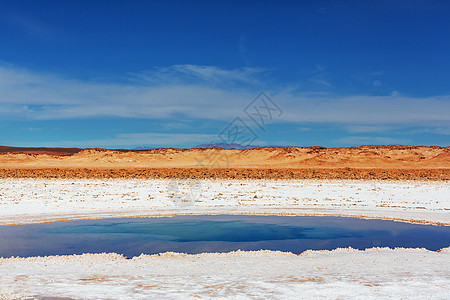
<point>364,162</point>
<point>402,183</point>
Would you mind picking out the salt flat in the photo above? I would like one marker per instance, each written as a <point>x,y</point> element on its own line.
<point>42,200</point>
<point>343,273</point>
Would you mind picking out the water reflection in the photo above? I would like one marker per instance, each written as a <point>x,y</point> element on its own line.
<point>197,234</point>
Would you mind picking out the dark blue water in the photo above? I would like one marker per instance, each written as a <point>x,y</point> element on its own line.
<point>198,234</point>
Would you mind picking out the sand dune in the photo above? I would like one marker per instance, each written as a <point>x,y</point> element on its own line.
<point>403,157</point>
<point>364,162</point>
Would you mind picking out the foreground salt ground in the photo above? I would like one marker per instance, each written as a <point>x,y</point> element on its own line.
<point>342,273</point>
<point>38,200</point>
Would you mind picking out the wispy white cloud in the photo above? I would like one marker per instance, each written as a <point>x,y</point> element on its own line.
<point>361,140</point>
<point>377,73</point>
<point>321,81</point>
<point>31,26</point>
<point>132,139</point>
<point>319,76</point>
<point>242,47</point>
<point>368,128</point>
<point>367,110</point>
<point>30,95</point>
<point>432,130</point>
<point>199,74</point>
<point>37,96</point>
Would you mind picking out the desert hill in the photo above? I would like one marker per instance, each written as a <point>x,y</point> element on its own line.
<point>362,157</point>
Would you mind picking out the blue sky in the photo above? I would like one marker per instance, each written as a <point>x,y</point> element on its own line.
<point>118,74</point>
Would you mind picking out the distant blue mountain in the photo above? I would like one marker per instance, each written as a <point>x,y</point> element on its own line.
<point>218,145</point>
<point>142,147</point>
<point>228,146</point>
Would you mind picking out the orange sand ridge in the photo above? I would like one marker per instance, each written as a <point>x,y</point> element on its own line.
<point>364,162</point>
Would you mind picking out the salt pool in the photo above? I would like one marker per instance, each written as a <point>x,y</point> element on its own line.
<point>219,233</point>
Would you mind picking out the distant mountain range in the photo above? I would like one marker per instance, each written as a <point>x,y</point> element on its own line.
<point>71,151</point>
<point>204,146</point>
<point>228,146</point>
<point>142,147</point>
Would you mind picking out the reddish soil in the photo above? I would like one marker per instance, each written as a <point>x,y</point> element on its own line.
<point>242,173</point>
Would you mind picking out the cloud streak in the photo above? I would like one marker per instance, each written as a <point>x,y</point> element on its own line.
<point>202,92</point>
<point>131,139</point>
<point>31,26</point>
<point>206,75</point>
<point>364,140</point>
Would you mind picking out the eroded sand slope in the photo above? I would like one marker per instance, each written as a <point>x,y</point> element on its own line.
<point>380,157</point>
